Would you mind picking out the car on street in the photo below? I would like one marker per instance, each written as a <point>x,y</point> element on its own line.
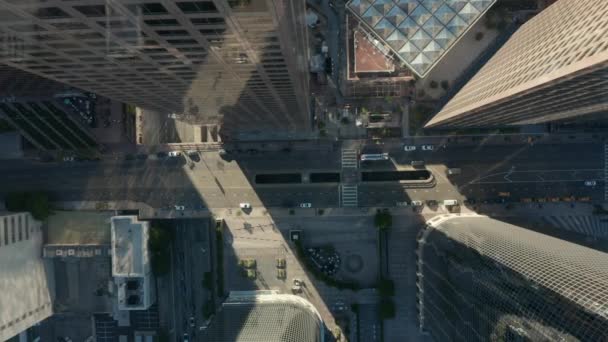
<point>161,155</point>
<point>417,203</point>
<point>141,156</point>
<point>179,207</point>
<point>245,205</point>
<point>194,156</point>
<point>450,202</point>
<point>68,158</point>
<point>409,148</point>
<point>305,205</point>
<point>174,154</point>
<point>192,321</point>
<point>590,183</point>
<point>401,204</point>
<point>428,147</point>
<point>454,171</point>
<point>186,337</point>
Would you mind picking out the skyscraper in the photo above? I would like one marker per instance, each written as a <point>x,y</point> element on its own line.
<point>26,280</point>
<point>554,67</point>
<point>480,279</point>
<point>265,316</point>
<point>241,64</point>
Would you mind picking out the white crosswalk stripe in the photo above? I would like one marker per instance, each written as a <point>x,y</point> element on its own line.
<point>606,172</point>
<point>349,159</point>
<point>349,195</point>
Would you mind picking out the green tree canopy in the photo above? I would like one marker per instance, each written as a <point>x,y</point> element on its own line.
<point>36,203</point>
<point>383,219</point>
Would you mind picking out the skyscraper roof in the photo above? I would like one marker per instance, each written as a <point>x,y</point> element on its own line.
<point>419,32</point>
<point>265,316</point>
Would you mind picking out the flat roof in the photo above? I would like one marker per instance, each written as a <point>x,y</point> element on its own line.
<point>368,58</point>
<point>129,246</point>
<point>419,32</point>
<point>78,228</point>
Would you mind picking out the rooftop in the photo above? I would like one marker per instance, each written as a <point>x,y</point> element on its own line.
<point>266,316</point>
<point>419,32</point>
<point>78,228</point>
<point>368,58</point>
<point>129,246</point>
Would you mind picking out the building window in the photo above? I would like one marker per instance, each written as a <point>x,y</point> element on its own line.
<point>172,32</point>
<point>70,26</point>
<point>92,10</point>
<point>197,7</point>
<point>162,22</point>
<point>49,13</point>
<point>148,9</point>
<point>207,21</point>
<point>181,41</point>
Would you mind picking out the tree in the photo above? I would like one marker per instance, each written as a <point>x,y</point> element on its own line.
<point>159,242</point>
<point>386,309</point>
<point>344,120</point>
<point>37,203</point>
<point>383,219</point>
<point>445,85</point>
<point>479,36</point>
<point>386,287</point>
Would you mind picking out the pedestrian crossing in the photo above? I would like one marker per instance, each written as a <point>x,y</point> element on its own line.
<point>349,196</point>
<point>349,159</point>
<point>606,172</point>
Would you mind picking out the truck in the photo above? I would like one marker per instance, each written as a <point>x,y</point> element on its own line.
<point>451,202</point>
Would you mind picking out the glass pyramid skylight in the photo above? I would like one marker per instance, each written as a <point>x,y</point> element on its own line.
<point>419,32</point>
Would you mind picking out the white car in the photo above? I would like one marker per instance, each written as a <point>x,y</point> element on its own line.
<point>428,147</point>
<point>305,205</point>
<point>174,154</point>
<point>68,158</point>
<point>409,148</point>
<point>179,207</point>
<point>590,183</point>
<point>245,205</point>
<point>401,204</point>
<point>417,203</point>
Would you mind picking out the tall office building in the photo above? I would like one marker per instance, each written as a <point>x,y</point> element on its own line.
<point>26,280</point>
<point>241,64</point>
<point>480,279</point>
<point>555,67</point>
<point>265,316</point>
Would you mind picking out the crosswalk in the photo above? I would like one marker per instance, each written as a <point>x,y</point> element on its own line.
<point>349,159</point>
<point>349,196</point>
<point>606,172</point>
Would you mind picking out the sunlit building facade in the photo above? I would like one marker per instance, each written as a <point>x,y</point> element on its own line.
<point>240,64</point>
<point>480,279</point>
<point>555,67</point>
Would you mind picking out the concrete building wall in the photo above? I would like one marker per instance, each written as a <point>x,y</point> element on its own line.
<point>26,281</point>
<point>554,67</point>
<point>235,63</point>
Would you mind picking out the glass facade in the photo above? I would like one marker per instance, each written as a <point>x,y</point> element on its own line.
<point>419,32</point>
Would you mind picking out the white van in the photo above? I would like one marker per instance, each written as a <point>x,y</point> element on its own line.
<point>450,202</point>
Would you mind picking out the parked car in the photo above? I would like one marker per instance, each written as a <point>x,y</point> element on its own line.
<point>179,207</point>
<point>428,147</point>
<point>409,148</point>
<point>245,205</point>
<point>590,183</point>
<point>192,321</point>
<point>305,205</point>
<point>454,171</point>
<point>417,203</point>
<point>401,204</point>
<point>186,337</point>
<point>68,158</point>
<point>450,202</point>
<point>161,155</point>
<point>174,154</point>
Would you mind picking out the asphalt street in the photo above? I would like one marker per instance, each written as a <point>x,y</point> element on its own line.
<point>522,171</point>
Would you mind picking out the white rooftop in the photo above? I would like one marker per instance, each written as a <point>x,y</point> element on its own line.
<point>129,246</point>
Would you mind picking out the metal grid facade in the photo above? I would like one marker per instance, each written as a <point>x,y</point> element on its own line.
<point>238,63</point>
<point>554,67</point>
<point>480,279</point>
<point>266,317</point>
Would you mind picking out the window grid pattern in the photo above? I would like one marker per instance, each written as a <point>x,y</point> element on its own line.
<point>567,40</point>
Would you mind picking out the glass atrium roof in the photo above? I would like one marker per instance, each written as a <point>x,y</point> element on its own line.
<point>420,32</point>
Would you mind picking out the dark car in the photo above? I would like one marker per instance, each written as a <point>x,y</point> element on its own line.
<point>161,154</point>
<point>142,156</point>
